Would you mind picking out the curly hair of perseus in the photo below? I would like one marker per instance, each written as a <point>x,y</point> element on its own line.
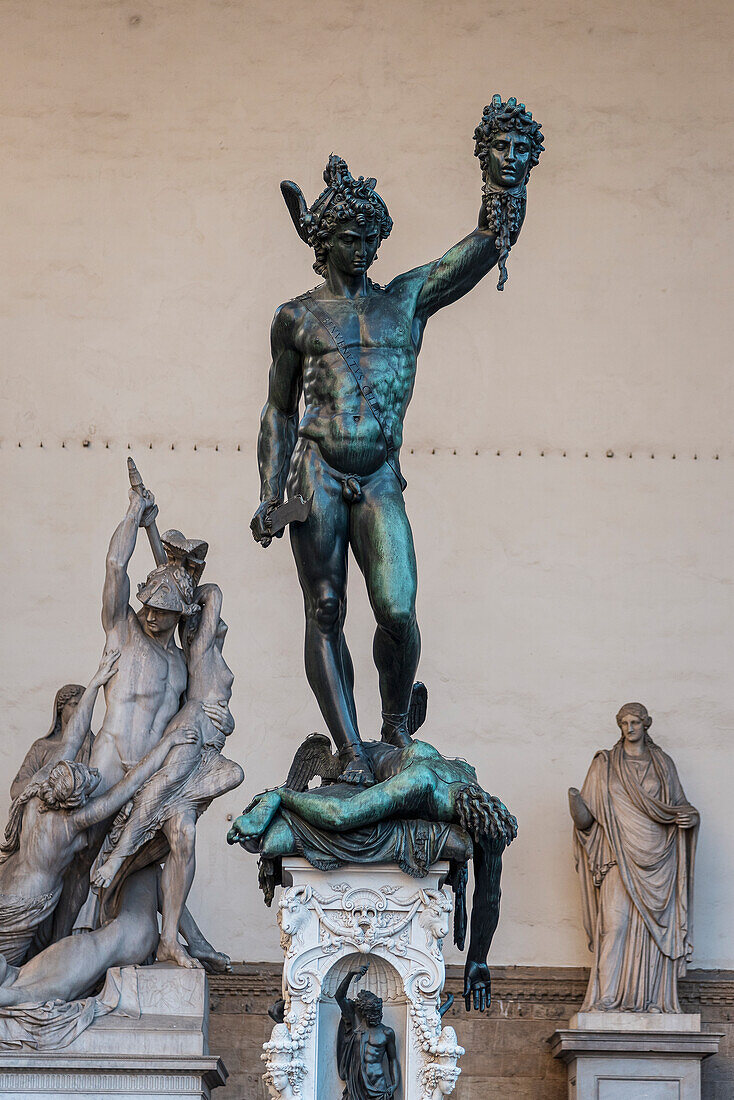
<point>368,1002</point>
<point>485,818</point>
<point>504,208</point>
<point>343,199</point>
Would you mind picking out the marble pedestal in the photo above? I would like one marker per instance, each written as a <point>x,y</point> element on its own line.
<point>332,922</point>
<point>158,1053</point>
<point>634,1055</point>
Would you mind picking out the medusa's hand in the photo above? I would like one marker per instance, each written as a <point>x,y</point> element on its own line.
<point>477,986</point>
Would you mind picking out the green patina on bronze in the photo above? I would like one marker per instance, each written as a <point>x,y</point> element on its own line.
<point>348,350</point>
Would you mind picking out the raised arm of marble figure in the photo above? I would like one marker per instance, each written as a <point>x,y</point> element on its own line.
<point>81,720</point>
<point>582,816</point>
<point>209,596</point>
<point>107,804</point>
<point>116,590</point>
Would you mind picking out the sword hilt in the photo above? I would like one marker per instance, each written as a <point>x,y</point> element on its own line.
<point>136,482</point>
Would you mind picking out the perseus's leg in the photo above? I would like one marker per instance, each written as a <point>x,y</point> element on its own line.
<point>382,541</point>
<point>320,549</point>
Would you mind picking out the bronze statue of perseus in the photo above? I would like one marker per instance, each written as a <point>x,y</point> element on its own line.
<point>349,347</point>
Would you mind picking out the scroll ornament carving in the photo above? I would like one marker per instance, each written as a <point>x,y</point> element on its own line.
<point>321,926</point>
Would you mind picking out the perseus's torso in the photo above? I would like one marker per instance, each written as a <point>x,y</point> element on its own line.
<point>374,1045</point>
<point>379,329</point>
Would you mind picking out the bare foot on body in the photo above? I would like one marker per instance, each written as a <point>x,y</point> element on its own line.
<point>104,874</point>
<point>255,820</point>
<point>176,953</point>
<point>214,962</point>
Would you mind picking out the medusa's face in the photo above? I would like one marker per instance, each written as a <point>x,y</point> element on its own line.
<point>508,159</point>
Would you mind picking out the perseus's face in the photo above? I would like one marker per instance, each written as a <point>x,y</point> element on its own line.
<point>508,160</point>
<point>353,247</point>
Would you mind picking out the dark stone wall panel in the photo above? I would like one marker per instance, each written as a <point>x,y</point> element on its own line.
<point>507,1052</point>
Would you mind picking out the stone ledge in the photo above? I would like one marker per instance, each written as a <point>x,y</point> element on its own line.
<point>649,1022</point>
<point>568,1044</point>
<point>99,1075</point>
<point>530,984</point>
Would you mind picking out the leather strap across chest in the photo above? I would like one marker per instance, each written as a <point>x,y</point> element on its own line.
<point>352,362</point>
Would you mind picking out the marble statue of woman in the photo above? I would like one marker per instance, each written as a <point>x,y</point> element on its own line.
<point>66,703</point>
<point>635,840</point>
<point>73,967</point>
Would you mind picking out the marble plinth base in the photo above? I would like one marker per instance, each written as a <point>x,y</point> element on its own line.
<point>332,922</point>
<point>160,1054</point>
<point>634,1056</point>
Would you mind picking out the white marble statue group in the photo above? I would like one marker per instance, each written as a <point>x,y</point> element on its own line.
<point>100,841</point>
<point>101,831</point>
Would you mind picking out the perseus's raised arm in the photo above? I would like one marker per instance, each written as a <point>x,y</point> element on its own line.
<point>279,419</point>
<point>116,591</point>
<point>461,268</point>
<point>340,996</point>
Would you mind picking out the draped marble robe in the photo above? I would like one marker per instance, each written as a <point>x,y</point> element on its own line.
<point>636,871</point>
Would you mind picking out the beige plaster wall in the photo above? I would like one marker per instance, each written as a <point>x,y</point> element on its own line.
<point>145,248</point>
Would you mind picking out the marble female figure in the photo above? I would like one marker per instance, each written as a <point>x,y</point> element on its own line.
<point>66,702</point>
<point>634,839</point>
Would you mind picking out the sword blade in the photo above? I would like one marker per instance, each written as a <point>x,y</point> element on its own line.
<point>295,510</point>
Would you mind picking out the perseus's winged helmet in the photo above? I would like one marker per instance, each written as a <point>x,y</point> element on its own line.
<point>344,198</point>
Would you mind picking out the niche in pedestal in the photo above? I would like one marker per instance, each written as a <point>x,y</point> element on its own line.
<point>384,981</point>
